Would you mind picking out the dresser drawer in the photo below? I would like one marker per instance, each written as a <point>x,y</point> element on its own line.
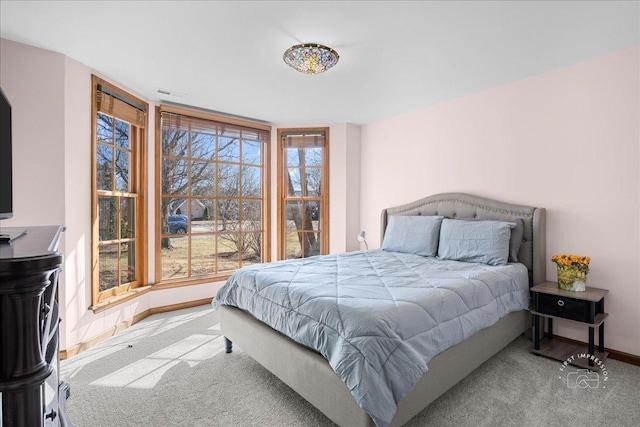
<point>567,308</point>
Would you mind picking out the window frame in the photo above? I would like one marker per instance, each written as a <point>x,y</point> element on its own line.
<point>282,191</point>
<point>162,283</point>
<point>138,171</point>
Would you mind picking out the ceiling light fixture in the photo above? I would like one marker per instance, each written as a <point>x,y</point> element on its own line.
<point>310,58</point>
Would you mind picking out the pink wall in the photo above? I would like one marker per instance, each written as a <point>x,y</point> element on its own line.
<point>51,99</point>
<point>567,140</point>
<point>33,84</point>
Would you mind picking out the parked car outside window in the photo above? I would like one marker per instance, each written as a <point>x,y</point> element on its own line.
<point>178,224</point>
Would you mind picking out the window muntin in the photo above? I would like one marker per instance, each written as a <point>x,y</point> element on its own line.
<point>212,180</point>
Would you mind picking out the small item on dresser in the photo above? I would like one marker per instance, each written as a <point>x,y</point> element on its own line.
<point>572,272</point>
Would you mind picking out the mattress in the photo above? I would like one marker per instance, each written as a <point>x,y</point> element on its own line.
<point>377,316</point>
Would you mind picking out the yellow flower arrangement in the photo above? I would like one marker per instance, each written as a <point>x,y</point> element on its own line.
<point>580,262</point>
<point>572,271</point>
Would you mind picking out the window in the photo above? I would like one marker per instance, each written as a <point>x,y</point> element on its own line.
<point>303,192</point>
<point>118,128</point>
<point>212,195</point>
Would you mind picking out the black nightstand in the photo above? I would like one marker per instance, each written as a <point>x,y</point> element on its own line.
<point>585,308</point>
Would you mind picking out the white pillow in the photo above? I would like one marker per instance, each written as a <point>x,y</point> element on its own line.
<point>413,234</point>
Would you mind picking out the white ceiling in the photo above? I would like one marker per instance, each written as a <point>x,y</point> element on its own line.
<point>394,56</point>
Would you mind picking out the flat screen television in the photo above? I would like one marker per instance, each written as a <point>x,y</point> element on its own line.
<point>6,166</point>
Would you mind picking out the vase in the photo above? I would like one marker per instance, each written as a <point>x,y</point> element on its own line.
<point>572,279</point>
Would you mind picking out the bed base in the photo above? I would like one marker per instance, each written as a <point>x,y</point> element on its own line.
<point>311,376</point>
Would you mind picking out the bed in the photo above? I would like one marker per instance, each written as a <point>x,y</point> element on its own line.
<point>300,364</point>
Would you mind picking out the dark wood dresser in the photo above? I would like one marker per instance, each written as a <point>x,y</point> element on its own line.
<point>32,394</point>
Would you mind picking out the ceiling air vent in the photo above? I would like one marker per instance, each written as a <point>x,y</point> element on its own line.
<point>166,92</point>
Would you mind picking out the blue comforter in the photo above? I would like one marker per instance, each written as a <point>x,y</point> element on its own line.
<point>378,317</point>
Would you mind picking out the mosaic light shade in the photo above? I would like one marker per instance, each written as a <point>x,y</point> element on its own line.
<point>311,58</point>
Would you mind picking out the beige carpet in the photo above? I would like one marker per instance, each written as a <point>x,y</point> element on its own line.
<point>170,370</point>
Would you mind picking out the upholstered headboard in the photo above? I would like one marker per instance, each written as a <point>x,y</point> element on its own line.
<point>460,205</point>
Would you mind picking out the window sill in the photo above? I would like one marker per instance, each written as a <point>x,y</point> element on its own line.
<point>190,282</point>
<point>119,299</point>
<point>133,293</point>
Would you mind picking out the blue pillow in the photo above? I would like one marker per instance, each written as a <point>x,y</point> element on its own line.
<point>517,237</point>
<point>517,234</point>
<point>413,234</point>
<point>484,241</point>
